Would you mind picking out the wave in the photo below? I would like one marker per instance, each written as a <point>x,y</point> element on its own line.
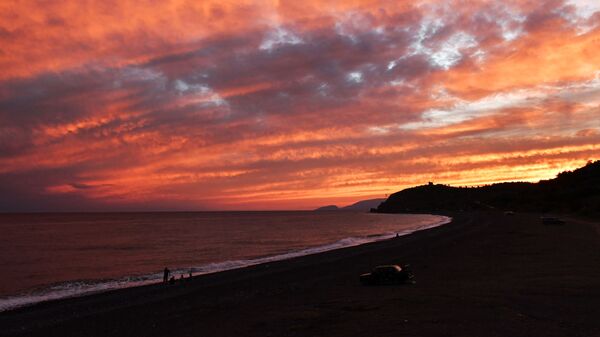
<point>86,287</point>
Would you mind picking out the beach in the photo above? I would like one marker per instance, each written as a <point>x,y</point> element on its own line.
<point>484,274</point>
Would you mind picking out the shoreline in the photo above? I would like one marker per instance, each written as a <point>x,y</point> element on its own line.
<point>94,287</point>
<point>481,274</point>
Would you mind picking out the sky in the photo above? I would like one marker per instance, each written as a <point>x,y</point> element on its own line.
<point>246,105</point>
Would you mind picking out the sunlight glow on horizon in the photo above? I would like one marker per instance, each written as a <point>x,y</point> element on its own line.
<point>281,105</point>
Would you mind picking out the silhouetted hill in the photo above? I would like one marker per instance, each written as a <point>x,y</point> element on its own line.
<point>328,208</point>
<point>571,191</point>
<point>364,205</point>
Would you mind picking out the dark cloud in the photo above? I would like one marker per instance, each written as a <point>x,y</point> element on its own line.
<point>81,186</point>
<point>312,102</point>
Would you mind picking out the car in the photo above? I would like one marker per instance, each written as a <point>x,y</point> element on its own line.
<point>387,274</point>
<point>550,220</point>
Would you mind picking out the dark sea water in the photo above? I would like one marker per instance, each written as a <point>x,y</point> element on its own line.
<point>49,256</point>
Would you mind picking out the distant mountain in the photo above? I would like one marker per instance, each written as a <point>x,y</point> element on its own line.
<point>571,191</point>
<point>328,208</point>
<point>364,205</point>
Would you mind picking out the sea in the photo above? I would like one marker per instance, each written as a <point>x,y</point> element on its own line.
<point>46,256</point>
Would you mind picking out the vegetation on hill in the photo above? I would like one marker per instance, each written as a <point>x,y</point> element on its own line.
<point>571,191</point>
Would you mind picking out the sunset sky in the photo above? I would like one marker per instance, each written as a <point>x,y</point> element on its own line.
<point>210,105</point>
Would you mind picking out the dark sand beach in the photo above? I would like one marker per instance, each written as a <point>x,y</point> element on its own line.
<point>484,274</point>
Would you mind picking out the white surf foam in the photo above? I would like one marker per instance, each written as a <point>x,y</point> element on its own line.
<point>86,287</point>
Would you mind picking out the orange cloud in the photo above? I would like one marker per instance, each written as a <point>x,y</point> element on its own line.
<point>263,105</point>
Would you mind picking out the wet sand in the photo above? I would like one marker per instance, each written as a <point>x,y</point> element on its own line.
<point>484,274</point>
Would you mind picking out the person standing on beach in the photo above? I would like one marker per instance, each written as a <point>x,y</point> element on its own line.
<point>166,275</point>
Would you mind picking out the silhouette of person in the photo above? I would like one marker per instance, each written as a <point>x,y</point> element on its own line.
<point>172,280</point>
<point>166,275</point>
<point>190,273</point>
